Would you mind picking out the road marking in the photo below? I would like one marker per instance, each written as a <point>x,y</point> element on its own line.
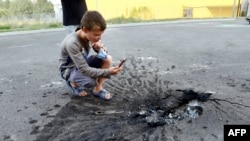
<point>234,25</point>
<point>51,84</point>
<point>22,46</point>
<point>24,61</point>
<point>5,80</point>
<point>147,58</point>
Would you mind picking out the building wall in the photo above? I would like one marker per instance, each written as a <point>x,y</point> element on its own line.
<point>220,12</point>
<point>163,9</point>
<point>144,9</point>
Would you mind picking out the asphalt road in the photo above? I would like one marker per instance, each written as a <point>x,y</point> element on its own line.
<point>210,55</point>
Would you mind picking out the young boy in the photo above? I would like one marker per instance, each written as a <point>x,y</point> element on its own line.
<point>81,71</point>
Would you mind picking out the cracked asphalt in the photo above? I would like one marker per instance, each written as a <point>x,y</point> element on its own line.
<point>204,55</point>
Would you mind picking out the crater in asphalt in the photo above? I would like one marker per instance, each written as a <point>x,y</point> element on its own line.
<point>167,110</point>
<point>90,118</point>
<point>142,103</point>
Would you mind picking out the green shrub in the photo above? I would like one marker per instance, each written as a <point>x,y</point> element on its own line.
<point>243,14</point>
<point>4,27</point>
<point>120,20</point>
<point>54,25</point>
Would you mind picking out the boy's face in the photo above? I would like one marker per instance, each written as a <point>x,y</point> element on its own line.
<point>93,35</point>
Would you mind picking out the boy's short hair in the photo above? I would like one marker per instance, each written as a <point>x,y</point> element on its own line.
<point>93,20</point>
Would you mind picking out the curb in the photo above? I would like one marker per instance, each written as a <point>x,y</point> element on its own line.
<point>119,25</point>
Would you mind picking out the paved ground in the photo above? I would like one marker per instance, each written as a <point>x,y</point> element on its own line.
<point>200,55</point>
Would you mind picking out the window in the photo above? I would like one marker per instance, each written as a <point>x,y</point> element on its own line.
<point>188,12</point>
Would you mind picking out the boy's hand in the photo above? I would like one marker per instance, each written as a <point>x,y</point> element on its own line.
<point>98,45</point>
<point>115,70</point>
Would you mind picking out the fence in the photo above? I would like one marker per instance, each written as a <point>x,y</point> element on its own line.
<point>30,19</point>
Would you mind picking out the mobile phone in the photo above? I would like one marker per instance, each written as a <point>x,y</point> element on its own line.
<point>122,61</point>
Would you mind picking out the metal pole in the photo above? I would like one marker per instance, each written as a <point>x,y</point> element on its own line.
<point>239,9</point>
<point>233,13</point>
<point>97,5</point>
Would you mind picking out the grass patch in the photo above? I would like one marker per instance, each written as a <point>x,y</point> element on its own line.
<point>5,27</point>
<point>54,25</point>
<point>36,25</point>
<point>122,20</point>
<point>23,26</point>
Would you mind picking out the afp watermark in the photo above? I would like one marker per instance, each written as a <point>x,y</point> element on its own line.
<point>237,132</point>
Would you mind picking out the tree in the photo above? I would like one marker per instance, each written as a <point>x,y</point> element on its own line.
<point>4,6</point>
<point>21,7</point>
<point>3,12</point>
<point>1,4</point>
<point>7,4</point>
<point>43,6</point>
